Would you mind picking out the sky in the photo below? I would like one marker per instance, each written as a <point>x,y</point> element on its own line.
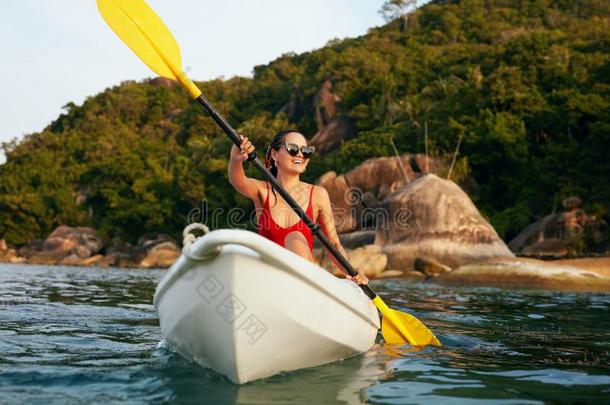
<point>58,51</point>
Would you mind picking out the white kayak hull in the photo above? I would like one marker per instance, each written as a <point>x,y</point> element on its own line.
<point>248,308</point>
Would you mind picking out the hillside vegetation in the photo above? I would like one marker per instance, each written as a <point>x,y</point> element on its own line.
<point>525,84</point>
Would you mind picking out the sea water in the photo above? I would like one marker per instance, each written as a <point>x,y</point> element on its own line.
<point>81,335</point>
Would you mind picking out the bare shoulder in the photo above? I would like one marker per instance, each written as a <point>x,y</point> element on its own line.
<point>320,194</point>
<point>319,190</point>
<point>260,183</point>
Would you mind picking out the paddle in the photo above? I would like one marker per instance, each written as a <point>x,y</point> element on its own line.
<point>141,29</point>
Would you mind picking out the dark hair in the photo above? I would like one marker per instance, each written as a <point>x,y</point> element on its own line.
<point>276,143</point>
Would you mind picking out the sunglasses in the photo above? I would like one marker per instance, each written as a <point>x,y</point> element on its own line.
<point>293,150</point>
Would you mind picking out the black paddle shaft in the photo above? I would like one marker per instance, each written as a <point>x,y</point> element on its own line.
<point>315,228</point>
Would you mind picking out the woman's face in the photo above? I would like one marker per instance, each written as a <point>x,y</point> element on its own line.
<point>291,164</point>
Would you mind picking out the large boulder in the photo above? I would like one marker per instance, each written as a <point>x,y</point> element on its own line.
<point>119,253</point>
<point>333,129</point>
<point>7,254</point>
<point>64,241</point>
<point>562,234</point>
<point>48,257</point>
<point>391,172</point>
<point>81,240</point>
<point>322,105</point>
<point>426,164</point>
<point>151,251</point>
<point>325,104</point>
<point>548,248</point>
<point>160,251</point>
<point>344,200</point>
<point>590,275</point>
<point>76,260</point>
<point>353,240</point>
<point>162,255</point>
<point>430,267</point>
<point>356,195</point>
<point>372,173</point>
<point>340,128</point>
<point>434,218</point>
<point>367,258</point>
<point>31,248</point>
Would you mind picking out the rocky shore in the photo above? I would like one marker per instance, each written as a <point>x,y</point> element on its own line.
<point>583,275</point>
<point>395,219</point>
<point>81,246</point>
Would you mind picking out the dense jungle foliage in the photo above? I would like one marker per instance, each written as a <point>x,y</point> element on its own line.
<point>525,83</point>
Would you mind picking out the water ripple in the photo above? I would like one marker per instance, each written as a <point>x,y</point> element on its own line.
<point>71,335</point>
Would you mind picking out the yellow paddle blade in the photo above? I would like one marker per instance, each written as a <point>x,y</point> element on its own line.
<point>400,327</point>
<point>405,326</point>
<point>135,23</point>
<point>141,29</point>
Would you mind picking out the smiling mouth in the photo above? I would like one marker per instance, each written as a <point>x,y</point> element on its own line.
<point>298,161</point>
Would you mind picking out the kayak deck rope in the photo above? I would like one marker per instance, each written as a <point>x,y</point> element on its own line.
<point>190,234</point>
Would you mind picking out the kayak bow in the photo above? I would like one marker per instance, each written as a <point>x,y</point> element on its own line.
<point>242,305</point>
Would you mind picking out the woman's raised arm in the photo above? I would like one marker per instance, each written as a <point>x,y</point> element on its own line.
<point>243,184</point>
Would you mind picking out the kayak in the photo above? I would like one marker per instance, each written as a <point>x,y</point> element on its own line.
<point>247,308</point>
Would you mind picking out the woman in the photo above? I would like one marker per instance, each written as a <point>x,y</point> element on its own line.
<point>286,158</point>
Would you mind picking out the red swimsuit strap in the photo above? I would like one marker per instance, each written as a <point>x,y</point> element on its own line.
<point>310,205</point>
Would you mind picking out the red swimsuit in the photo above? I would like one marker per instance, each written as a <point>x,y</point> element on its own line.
<point>268,228</point>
